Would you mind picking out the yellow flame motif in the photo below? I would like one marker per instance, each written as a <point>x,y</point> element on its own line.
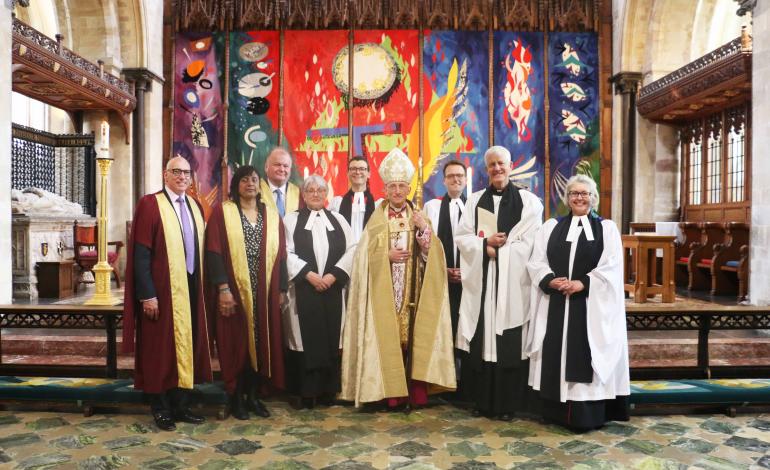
<point>437,122</point>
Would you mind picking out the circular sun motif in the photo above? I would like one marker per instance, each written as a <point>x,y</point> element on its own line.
<point>375,72</point>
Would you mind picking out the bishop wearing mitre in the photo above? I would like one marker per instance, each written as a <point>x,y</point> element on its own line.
<point>397,337</point>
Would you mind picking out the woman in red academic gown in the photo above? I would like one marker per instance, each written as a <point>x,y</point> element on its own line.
<point>246,269</point>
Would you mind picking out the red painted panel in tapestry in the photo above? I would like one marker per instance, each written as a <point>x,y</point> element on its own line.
<point>385,96</point>
<point>315,120</point>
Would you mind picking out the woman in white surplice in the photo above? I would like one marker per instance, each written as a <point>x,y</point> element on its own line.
<point>320,248</point>
<point>577,339</point>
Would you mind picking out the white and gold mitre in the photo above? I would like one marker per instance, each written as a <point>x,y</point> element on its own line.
<point>396,167</point>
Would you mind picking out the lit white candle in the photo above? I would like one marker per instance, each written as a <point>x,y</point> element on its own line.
<point>104,142</point>
<point>470,180</point>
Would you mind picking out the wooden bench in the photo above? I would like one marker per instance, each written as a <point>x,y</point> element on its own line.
<point>729,266</point>
<point>691,233</point>
<point>702,254</point>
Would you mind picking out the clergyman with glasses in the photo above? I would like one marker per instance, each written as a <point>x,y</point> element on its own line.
<point>358,204</point>
<point>164,303</point>
<point>577,340</point>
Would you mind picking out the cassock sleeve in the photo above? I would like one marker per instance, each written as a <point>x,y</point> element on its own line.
<point>297,268</point>
<point>341,269</point>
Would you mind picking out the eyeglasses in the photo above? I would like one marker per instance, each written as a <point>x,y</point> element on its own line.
<point>457,176</point>
<point>180,172</point>
<point>355,169</point>
<point>579,194</point>
<point>316,191</point>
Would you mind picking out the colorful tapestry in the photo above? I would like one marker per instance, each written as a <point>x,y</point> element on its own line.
<point>198,116</point>
<point>253,97</point>
<point>519,107</point>
<point>385,92</point>
<point>456,104</point>
<point>315,120</point>
<point>573,63</point>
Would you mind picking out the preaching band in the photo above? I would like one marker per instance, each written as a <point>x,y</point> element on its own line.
<point>377,301</point>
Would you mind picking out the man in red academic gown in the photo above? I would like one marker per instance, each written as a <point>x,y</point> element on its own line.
<point>164,298</point>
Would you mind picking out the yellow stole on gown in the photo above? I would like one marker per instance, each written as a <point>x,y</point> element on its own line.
<point>180,291</point>
<point>237,245</point>
<point>291,203</point>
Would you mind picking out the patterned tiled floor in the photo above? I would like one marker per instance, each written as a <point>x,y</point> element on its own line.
<point>340,437</point>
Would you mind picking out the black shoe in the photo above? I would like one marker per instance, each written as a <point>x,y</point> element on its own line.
<point>505,417</point>
<point>163,420</point>
<point>325,400</point>
<point>187,416</point>
<point>238,408</point>
<point>308,403</point>
<point>256,405</point>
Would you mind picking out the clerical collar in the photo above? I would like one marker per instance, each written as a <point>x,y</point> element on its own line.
<point>498,192</point>
<point>397,211</point>
<point>575,229</point>
<point>319,215</point>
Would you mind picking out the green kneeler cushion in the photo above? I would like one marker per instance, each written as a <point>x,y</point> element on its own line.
<point>92,390</point>
<point>700,391</point>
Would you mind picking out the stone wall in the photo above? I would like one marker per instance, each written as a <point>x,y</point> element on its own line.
<point>6,281</point>
<point>759,287</point>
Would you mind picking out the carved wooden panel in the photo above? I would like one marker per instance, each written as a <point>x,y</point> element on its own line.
<point>520,15</point>
<point>199,15</point>
<point>439,14</point>
<point>514,15</point>
<point>573,15</point>
<point>474,14</point>
<point>370,14</point>
<point>315,14</point>
<point>404,14</point>
<point>255,14</point>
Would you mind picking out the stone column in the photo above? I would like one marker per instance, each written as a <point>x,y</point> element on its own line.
<point>759,278</point>
<point>142,79</point>
<point>6,280</point>
<point>627,85</point>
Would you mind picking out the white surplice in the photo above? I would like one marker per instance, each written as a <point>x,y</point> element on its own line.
<point>512,305</point>
<point>605,316</point>
<point>318,224</point>
<point>357,212</point>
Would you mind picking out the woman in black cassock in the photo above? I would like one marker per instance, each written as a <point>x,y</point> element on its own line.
<point>577,340</point>
<point>320,248</point>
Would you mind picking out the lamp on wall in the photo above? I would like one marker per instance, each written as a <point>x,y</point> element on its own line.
<point>102,270</point>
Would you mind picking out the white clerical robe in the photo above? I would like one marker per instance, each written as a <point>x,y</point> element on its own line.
<point>318,225</point>
<point>432,209</point>
<point>357,210</point>
<point>512,305</point>
<point>606,317</point>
